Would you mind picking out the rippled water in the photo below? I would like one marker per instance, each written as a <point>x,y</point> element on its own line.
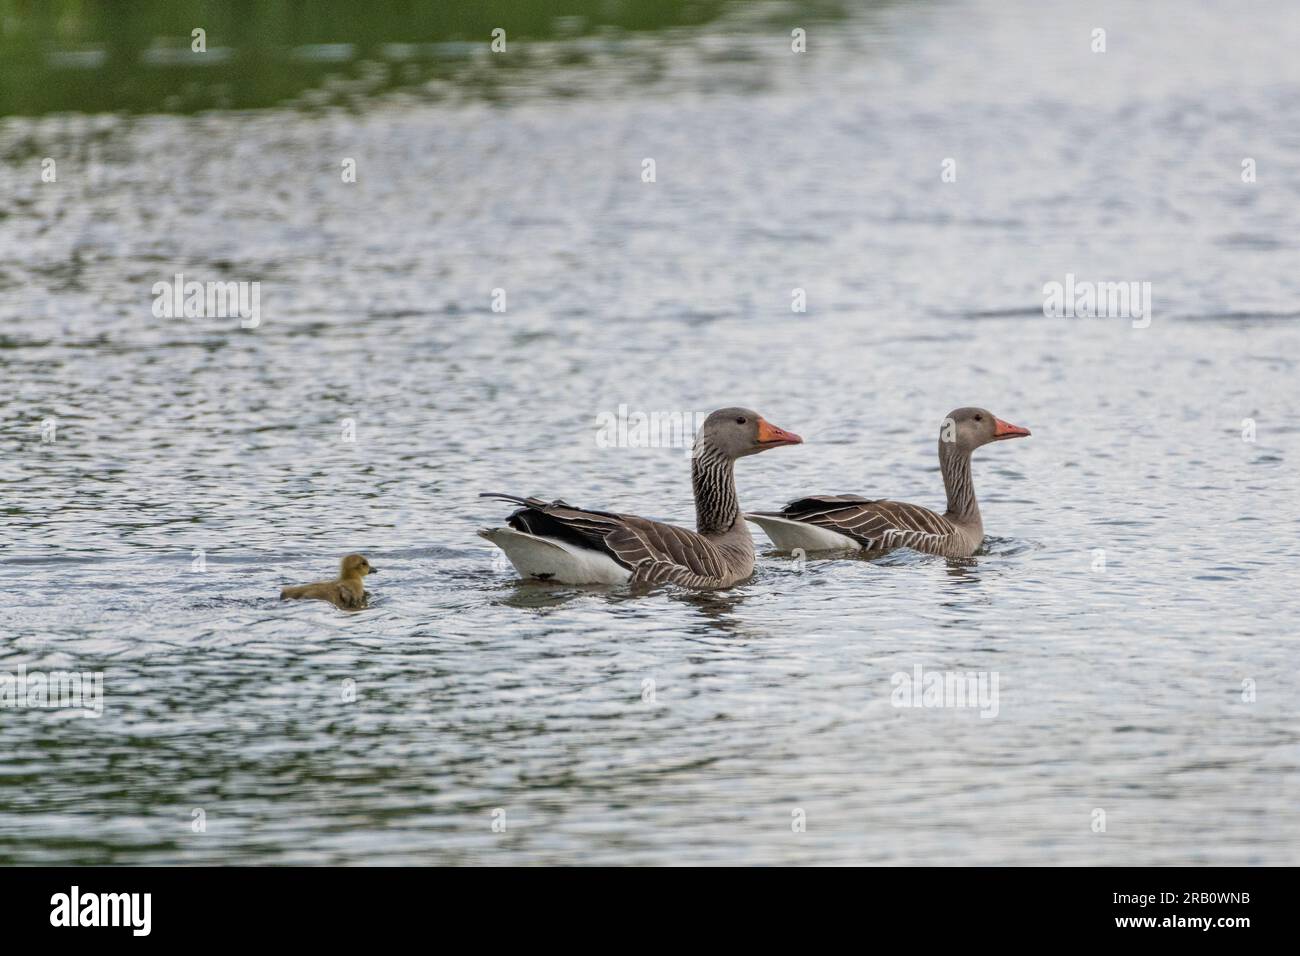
<point>195,443</point>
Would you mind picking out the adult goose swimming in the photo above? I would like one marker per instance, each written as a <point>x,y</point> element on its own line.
<point>851,522</point>
<point>553,541</point>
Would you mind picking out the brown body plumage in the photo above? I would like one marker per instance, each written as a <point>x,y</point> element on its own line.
<point>347,591</point>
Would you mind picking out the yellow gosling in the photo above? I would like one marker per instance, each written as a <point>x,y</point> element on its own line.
<point>347,592</point>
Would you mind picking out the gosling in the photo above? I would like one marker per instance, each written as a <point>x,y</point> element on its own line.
<point>347,593</point>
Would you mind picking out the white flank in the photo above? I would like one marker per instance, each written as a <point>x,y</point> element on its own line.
<point>788,535</point>
<point>553,560</point>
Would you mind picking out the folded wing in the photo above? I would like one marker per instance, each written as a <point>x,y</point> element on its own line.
<point>876,525</point>
<point>654,552</point>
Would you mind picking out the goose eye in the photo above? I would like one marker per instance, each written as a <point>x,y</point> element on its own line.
<point>979,418</point>
<point>740,421</point>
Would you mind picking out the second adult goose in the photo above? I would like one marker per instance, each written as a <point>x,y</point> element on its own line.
<point>553,541</point>
<point>851,522</point>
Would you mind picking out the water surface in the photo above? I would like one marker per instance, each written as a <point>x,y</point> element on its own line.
<point>193,443</point>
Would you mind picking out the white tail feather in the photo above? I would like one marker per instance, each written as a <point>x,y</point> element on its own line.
<point>550,559</point>
<point>788,535</point>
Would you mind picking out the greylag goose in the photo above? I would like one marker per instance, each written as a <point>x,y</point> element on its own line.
<point>347,591</point>
<point>553,541</point>
<point>851,522</point>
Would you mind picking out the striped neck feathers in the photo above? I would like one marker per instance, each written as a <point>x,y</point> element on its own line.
<point>714,479</point>
<point>954,463</point>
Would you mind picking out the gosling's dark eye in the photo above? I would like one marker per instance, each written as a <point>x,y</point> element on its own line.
<point>740,421</point>
<point>979,418</point>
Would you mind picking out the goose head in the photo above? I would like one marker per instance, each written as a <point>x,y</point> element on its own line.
<point>969,428</point>
<point>737,432</point>
<point>355,566</point>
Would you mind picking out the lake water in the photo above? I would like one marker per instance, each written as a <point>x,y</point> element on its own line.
<point>1136,599</point>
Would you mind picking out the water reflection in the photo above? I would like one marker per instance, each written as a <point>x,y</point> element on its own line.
<point>717,609</point>
<point>534,595</point>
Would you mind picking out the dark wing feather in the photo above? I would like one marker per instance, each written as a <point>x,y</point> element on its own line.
<point>815,503</point>
<point>555,519</point>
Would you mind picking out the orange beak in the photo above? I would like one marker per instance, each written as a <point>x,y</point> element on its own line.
<point>1004,430</point>
<point>769,436</point>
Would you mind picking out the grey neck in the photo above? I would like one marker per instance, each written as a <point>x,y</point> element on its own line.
<point>714,479</point>
<point>955,465</point>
